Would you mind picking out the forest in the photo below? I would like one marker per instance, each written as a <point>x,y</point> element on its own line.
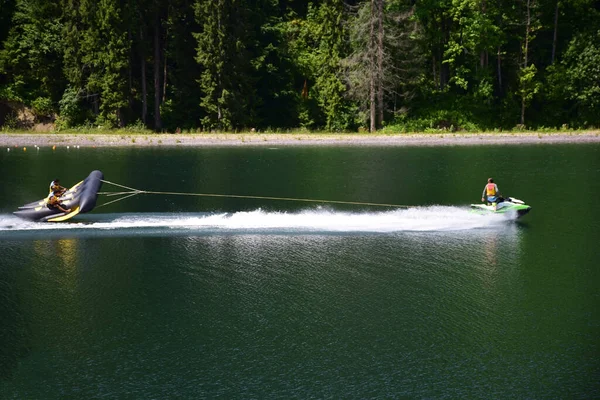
<point>276,65</point>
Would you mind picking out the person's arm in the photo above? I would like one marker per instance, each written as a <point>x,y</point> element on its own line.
<point>59,205</point>
<point>483,194</point>
<point>61,208</point>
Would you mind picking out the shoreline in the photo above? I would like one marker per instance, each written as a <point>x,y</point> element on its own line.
<point>292,139</point>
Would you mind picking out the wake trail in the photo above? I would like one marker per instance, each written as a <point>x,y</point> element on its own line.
<point>431,218</point>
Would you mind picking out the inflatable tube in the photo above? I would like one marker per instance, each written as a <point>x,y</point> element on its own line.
<point>81,198</point>
<point>89,192</point>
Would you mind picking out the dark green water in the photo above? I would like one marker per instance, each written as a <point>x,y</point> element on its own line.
<point>182,297</point>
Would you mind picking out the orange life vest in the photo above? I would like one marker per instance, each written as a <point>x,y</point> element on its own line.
<point>490,189</point>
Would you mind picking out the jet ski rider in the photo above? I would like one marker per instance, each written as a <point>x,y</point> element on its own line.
<point>491,193</point>
<point>55,204</point>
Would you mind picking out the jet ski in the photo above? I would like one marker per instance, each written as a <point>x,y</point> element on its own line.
<point>506,205</point>
<point>80,198</point>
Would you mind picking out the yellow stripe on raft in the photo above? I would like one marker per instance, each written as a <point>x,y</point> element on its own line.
<point>75,187</point>
<point>66,216</point>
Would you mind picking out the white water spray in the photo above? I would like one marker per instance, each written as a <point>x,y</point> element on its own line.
<point>433,218</point>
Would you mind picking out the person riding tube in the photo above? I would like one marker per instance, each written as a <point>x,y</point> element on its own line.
<point>55,186</point>
<point>55,204</point>
<point>490,193</point>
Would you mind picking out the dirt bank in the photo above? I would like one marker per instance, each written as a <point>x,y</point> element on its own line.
<point>309,139</point>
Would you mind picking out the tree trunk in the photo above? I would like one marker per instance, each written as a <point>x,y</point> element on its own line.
<point>220,70</point>
<point>435,77</point>
<point>523,110</point>
<point>164,89</point>
<point>483,53</point>
<point>444,68</point>
<point>372,66</point>
<point>555,37</point>
<point>96,105</point>
<point>380,82</point>
<point>120,121</point>
<point>525,56</point>
<point>441,67</point>
<point>130,70</point>
<point>157,86</point>
<point>499,23</point>
<point>499,70</point>
<point>143,73</point>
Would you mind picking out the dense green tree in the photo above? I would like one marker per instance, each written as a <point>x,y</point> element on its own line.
<point>224,53</point>
<point>278,82</point>
<point>30,60</point>
<point>97,57</point>
<point>317,44</point>
<point>113,62</point>
<point>475,35</point>
<point>386,59</point>
<point>180,94</point>
<point>7,8</point>
<point>576,80</point>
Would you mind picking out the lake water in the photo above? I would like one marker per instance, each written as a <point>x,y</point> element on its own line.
<point>199,297</point>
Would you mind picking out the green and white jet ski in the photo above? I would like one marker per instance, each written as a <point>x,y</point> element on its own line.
<point>508,205</point>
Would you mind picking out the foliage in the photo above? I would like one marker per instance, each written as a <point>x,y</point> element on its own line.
<point>229,56</point>
<point>42,108</point>
<point>581,66</point>
<point>30,59</point>
<point>69,107</point>
<point>386,58</point>
<point>528,86</point>
<point>436,121</point>
<point>279,64</point>
<point>328,35</point>
<point>96,56</point>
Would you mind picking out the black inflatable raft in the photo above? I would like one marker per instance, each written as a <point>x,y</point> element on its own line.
<point>81,198</point>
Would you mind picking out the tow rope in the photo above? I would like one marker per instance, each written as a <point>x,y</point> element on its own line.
<point>133,192</point>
